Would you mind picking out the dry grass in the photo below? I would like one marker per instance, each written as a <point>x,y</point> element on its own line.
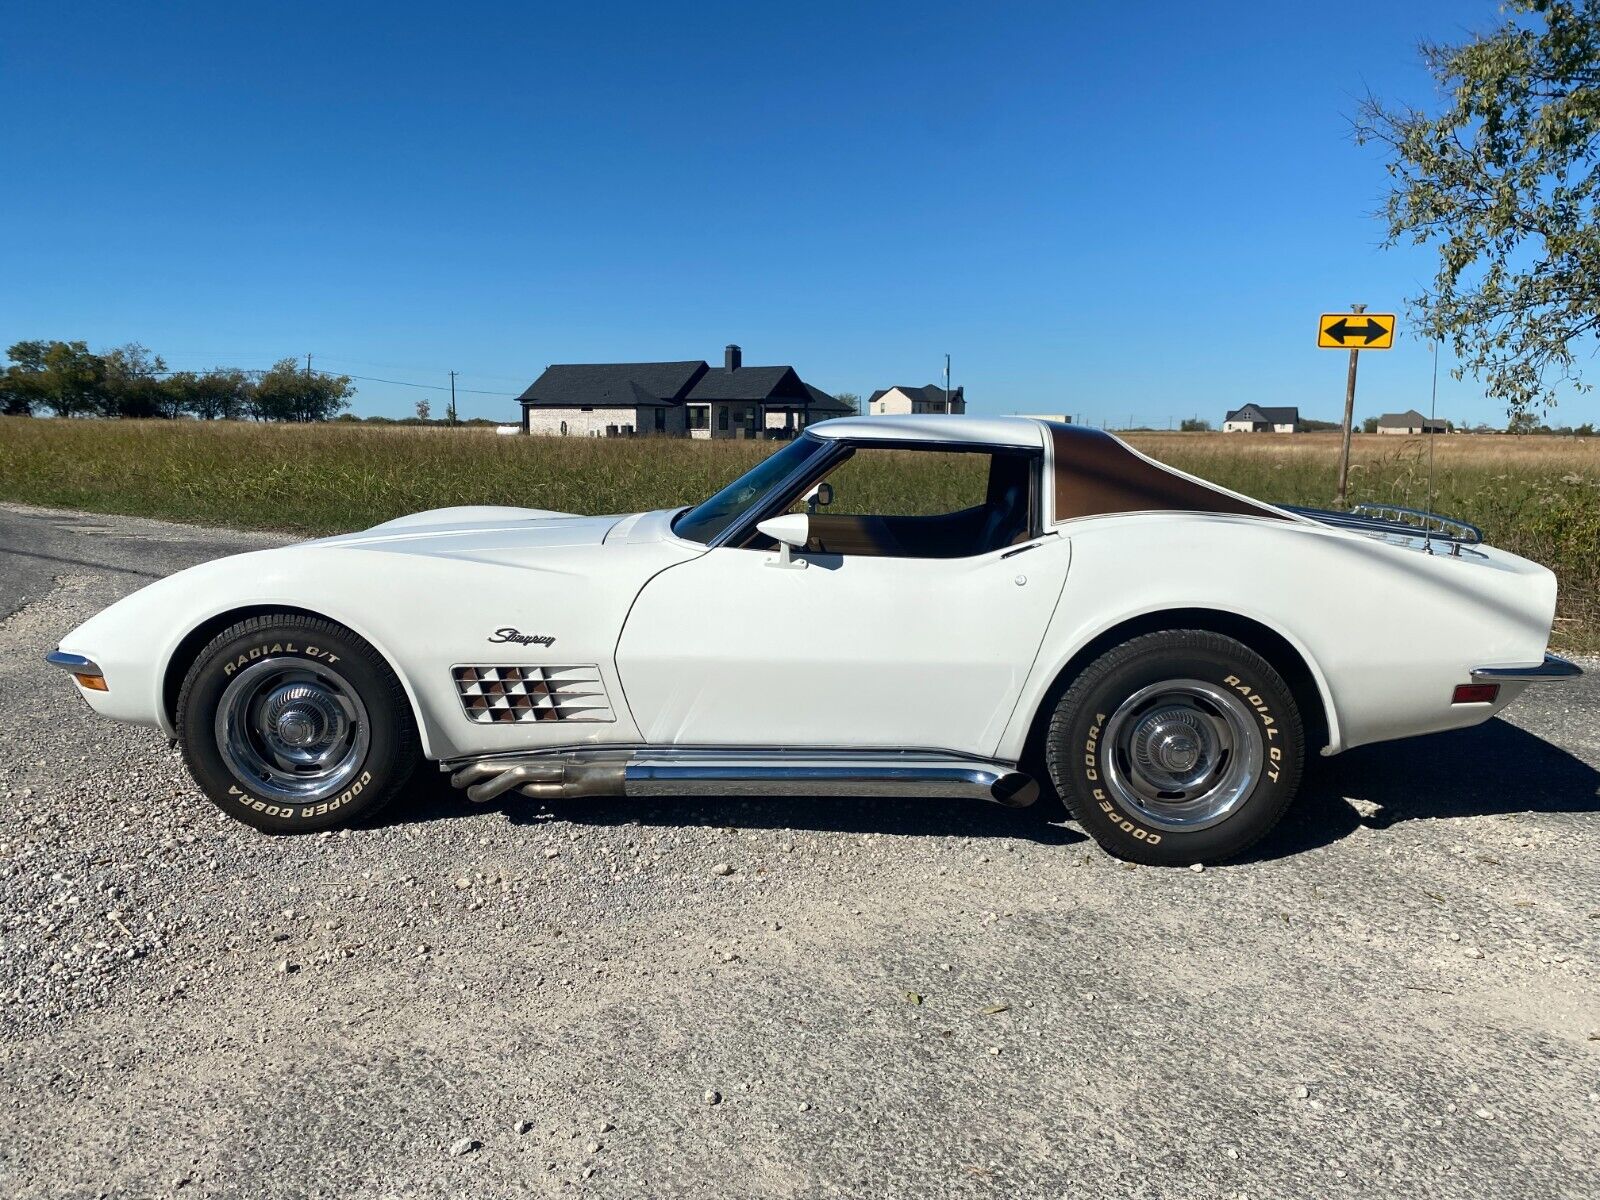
<point>1535,496</point>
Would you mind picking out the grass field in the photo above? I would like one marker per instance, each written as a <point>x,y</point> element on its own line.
<point>1536,496</point>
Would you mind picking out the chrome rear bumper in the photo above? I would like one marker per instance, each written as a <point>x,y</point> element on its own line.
<point>1552,669</point>
<point>742,772</point>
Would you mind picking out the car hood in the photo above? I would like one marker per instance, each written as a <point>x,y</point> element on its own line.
<point>499,534</point>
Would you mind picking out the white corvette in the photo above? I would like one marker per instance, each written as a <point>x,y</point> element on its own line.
<point>1049,603</point>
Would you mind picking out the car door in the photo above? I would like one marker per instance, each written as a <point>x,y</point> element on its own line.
<point>858,648</point>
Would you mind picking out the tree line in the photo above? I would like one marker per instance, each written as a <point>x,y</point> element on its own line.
<point>67,379</point>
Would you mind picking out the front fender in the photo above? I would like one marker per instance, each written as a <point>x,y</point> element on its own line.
<point>134,640</point>
<point>425,612</point>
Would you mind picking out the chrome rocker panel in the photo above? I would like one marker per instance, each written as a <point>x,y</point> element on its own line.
<point>1553,669</point>
<point>712,771</point>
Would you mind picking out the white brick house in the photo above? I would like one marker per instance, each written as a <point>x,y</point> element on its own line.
<point>673,399</point>
<point>593,421</point>
<point>1257,418</point>
<point>929,399</point>
<point>1410,422</point>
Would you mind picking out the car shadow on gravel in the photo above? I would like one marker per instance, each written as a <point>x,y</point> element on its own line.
<point>1492,769</point>
<point>431,798</point>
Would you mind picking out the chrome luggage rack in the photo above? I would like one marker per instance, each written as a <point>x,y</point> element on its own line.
<point>1394,520</point>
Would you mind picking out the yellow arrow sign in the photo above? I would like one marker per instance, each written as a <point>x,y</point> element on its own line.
<point>1356,331</point>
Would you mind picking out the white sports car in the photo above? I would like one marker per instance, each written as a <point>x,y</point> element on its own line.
<point>1046,602</point>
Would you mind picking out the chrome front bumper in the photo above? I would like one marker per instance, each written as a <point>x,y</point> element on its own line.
<point>1552,670</point>
<point>76,664</point>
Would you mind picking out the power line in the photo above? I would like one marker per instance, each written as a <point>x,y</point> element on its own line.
<point>391,366</point>
<point>431,387</point>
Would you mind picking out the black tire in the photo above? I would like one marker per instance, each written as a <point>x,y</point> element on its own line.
<point>326,683</point>
<point>1132,719</point>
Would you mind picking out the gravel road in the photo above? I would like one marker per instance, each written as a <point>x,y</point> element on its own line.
<point>1399,994</point>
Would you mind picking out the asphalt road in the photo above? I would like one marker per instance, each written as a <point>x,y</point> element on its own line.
<point>1396,995</point>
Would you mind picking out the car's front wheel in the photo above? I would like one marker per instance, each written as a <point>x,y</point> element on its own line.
<point>294,724</point>
<point>1177,747</point>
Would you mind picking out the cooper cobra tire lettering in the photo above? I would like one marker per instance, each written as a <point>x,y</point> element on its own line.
<point>289,811</point>
<point>1090,748</point>
<point>1091,773</point>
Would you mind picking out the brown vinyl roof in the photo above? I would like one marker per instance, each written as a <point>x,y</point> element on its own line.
<point>1097,475</point>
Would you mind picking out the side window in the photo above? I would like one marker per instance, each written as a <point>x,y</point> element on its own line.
<point>876,482</point>
<point>914,503</point>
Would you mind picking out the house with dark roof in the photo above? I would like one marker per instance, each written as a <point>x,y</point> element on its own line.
<point>1262,418</point>
<point>1410,421</point>
<point>674,399</point>
<point>930,399</point>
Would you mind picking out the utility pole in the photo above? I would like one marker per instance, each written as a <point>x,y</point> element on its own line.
<point>308,366</point>
<point>452,413</point>
<point>1349,418</point>
<point>947,407</point>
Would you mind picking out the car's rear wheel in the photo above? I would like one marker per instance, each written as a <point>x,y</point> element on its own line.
<point>1177,747</point>
<point>294,724</point>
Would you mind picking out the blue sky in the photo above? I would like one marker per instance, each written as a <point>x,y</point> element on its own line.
<point>1096,208</point>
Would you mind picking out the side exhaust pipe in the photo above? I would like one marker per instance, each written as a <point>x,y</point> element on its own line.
<point>713,772</point>
<point>546,778</point>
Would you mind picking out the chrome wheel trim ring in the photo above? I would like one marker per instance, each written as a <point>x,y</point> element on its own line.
<point>292,730</point>
<point>1182,754</point>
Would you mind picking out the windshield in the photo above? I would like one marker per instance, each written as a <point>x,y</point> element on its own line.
<point>705,521</point>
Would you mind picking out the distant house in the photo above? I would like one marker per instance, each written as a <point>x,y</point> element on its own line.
<point>1259,418</point>
<point>1410,421</point>
<point>673,399</point>
<point>930,399</point>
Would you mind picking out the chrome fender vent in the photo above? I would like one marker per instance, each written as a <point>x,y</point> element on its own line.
<point>492,695</point>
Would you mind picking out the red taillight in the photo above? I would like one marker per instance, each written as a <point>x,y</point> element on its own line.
<point>1475,693</point>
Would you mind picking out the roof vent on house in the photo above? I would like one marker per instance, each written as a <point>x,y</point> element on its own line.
<point>732,357</point>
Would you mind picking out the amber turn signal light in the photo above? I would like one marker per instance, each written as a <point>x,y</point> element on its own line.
<point>1475,693</point>
<point>95,683</point>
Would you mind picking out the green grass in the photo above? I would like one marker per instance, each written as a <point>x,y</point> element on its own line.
<point>1536,496</point>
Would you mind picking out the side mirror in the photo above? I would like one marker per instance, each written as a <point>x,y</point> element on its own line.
<point>821,496</point>
<point>791,532</point>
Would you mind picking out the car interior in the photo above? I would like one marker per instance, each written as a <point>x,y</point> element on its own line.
<point>1003,514</point>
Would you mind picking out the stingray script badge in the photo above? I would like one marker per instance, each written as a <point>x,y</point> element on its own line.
<point>511,634</point>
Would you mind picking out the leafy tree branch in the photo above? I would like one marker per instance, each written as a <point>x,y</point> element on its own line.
<point>1504,182</point>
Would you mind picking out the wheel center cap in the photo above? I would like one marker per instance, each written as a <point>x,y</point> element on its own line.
<point>1178,752</point>
<point>298,727</point>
